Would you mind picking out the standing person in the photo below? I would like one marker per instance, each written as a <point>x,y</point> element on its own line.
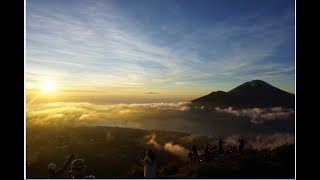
<point>207,152</point>
<point>234,149</point>
<point>190,156</point>
<point>220,146</point>
<point>207,149</point>
<point>57,174</point>
<point>195,153</point>
<point>241,144</point>
<point>149,164</point>
<point>79,170</point>
<point>153,158</point>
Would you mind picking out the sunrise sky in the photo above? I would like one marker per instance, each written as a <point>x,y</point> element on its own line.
<point>164,48</point>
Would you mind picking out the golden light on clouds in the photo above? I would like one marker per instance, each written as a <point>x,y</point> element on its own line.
<point>48,86</point>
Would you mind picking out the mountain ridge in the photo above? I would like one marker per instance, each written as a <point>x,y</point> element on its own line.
<point>252,94</point>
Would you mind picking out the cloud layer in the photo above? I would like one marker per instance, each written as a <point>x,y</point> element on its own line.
<point>165,116</point>
<point>78,114</point>
<point>259,115</point>
<point>271,141</point>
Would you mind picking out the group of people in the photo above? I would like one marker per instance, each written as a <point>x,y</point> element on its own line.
<point>78,170</point>
<point>149,161</point>
<point>193,155</point>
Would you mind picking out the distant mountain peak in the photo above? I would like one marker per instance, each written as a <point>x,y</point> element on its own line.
<point>255,93</point>
<point>255,83</point>
<point>254,86</point>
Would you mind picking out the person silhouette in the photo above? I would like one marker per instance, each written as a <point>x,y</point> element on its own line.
<point>207,152</point>
<point>190,156</point>
<point>241,144</point>
<point>195,153</point>
<point>207,149</point>
<point>149,163</point>
<point>221,146</point>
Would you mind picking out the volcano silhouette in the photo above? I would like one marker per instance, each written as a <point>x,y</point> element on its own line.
<point>251,94</point>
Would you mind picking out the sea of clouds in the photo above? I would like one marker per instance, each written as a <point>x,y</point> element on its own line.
<point>164,116</point>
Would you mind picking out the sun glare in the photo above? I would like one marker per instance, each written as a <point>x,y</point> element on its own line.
<point>48,86</point>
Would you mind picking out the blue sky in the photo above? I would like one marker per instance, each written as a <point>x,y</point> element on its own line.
<point>162,46</point>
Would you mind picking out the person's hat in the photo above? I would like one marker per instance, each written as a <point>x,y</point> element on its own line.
<point>78,164</point>
<point>52,167</point>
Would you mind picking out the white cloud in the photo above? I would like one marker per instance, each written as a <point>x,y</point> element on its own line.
<point>271,141</point>
<point>176,149</point>
<point>259,115</point>
<point>153,141</point>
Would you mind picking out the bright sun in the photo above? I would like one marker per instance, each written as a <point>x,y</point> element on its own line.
<point>48,86</point>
